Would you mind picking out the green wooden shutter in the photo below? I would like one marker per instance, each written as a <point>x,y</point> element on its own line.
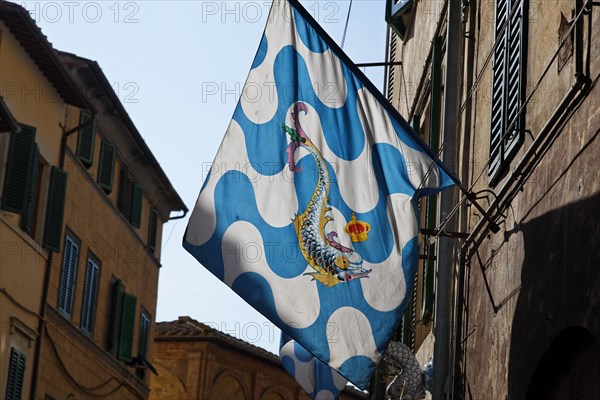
<point>127,326</point>
<point>16,374</point>
<point>55,209</point>
<point>116,311</point>
<point>407,320</point>
<point>498,86</point>
<point>508,85</point>
<point>106,166</point>
<point>85,138</point>
<point>30,209</point>
<point>68,275</point>
<point>515,79</point>
<point>17,182</point>
<point>136,205</point>
<point>125,194</point>
<point>88,307</point>
<point>152,228</point>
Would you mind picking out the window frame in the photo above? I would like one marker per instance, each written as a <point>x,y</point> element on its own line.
<point>153,229</point>
<point>89,131</point>
<point>106,181</point>
<point>89,304</point>
<point>508,94</point>
<point>15,379</point>
<point>143,341</point>
<point>69,235</point>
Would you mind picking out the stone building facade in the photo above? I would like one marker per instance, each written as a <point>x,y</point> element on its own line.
<point>507,90</point>
<point>197,362</point>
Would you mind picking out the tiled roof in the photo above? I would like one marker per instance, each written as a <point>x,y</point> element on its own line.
<point>98,79</point>
<point>7,120</point>
<point>188,329</point>
<point>36,44</point>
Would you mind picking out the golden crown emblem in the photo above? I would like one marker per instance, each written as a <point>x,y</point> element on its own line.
<point>358,230</point>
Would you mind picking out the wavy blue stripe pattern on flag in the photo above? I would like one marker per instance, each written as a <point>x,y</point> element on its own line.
<point>313,375</point>
<point>309,211</point>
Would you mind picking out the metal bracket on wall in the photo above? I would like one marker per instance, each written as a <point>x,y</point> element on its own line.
<point>436,232</point>
<point>380,64</point>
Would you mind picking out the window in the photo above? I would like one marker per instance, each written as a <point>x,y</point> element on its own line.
<point>152,228</point>
<point>86,138</point>
<point>143,342</point>
<point>19,170</point>
<point>90,294</point>
<point>127,326</point>
<point>136,205</point>
<point>124,200</point>
<point>29,218</point>
<point>122,322</point>
<point>16,374</point>
<point>398,14</point>
<point>106,167</point>
<point>508,87</point>
<point>55,209</point>
<point>130,199</point>
<point>68,275</point>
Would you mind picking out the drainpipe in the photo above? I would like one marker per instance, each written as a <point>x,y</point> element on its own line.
<point>44,301</point>
<point>445,281</point>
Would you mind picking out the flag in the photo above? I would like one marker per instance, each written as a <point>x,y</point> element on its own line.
<point>313,375</point>
<point>309,211</point>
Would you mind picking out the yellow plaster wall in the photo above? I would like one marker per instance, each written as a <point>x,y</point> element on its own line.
<point>30,97</point>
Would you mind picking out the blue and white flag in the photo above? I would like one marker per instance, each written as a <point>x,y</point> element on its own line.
<point>313,375</point>
<point>310,210</point>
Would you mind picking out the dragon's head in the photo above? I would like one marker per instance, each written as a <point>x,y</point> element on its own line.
<point>350,267</point>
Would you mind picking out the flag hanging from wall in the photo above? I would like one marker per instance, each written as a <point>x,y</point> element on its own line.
<point>309,212</point>
<point>314,376</point>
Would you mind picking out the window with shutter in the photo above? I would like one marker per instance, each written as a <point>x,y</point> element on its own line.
<point>125,342</point>
<point>143,342</point>
<point>90,294</point>
<point>16,374</point>
<point>508,86</point>
<point>19,169</point>
<point>85,138</point>
<point>116,310</point>
<point>125,187</point>
<point>152,228</point>
<point>398,14</point>
<point>55,209</point>
<point>136,205</point>
<point>106,166</point>
<point>66,287</point>
<point>391,76</point>
<point>29,215</point>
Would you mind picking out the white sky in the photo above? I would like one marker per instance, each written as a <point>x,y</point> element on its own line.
<point>165,59</point>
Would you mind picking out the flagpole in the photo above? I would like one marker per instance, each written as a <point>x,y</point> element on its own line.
<point>393,111</point>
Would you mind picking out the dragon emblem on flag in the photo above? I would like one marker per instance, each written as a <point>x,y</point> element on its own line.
<point>333,263</point>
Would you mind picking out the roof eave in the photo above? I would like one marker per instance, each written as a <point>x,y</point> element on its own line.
<point>107,88</point>
<point>31,38</point>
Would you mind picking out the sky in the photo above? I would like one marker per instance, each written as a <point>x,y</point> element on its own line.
<point>178,67</point>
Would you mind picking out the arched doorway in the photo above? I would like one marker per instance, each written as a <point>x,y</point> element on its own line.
<point>569,370</point>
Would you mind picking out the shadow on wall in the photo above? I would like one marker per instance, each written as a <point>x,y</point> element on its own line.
<point>560,289</point>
